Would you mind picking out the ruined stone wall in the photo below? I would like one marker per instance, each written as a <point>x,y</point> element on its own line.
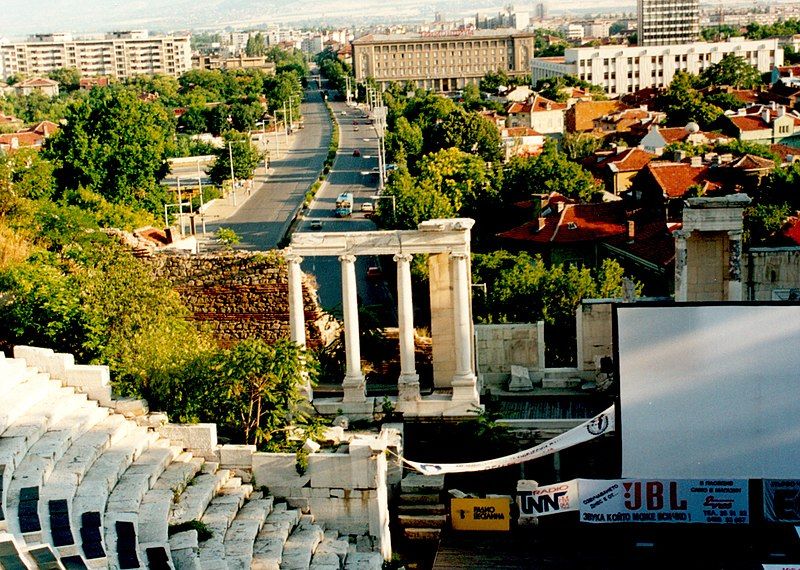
<point>241,295</point>
<point>770,269</point>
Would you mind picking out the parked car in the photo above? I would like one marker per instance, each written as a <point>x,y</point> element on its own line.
<point>356,152</point>
<point>355,122</point>
<point>374,272</point>
<point>367,207</point>
<point>355,128</point>
<point>316,224</point>
<point>343,113</point>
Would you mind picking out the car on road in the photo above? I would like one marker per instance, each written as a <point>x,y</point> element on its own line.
<point>356,152</point>
<point>355,128</point>
<point>343,113</point>
<point>316,224</point>
<point>355,122</point>
<point>374,272</point>
<point>367,207</point>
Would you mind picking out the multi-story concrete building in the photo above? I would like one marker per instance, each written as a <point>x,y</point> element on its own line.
<point>119,55</point>
<point>668,22</point>
<point>625,69</point>
<point>441,61</point>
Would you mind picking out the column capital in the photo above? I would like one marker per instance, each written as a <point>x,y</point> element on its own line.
<point>735,234</point>
<point>404,257</point>
<point>347,258</point>
<point>459,255</point>
<point>292,257</point>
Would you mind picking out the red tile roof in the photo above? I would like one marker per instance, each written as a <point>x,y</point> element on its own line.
<point>673,134</point>
<point>577,223</point>
<point>752,162</point>
<point>627,160</point>
<point>519,132</point>
<point>24,139</point>
<point>540,103</point>
<point>791,230</point>
<point>653,242</point>
<point>675,178</point>
<point>36,82</point>
<point>784,150</point>
<point>515,108</point>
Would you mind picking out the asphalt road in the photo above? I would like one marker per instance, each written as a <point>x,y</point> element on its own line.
<point>346,176</point>
<point>262,221</point>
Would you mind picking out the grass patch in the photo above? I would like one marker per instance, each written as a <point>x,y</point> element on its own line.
<point>203,532</point>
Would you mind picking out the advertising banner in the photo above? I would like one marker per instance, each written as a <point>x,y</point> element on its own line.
<point>664,501</point>
<point>481,514</point>
<point>781,566</point>
<point>534,501</point>
<point>600,424</point>
<point>782,500</point>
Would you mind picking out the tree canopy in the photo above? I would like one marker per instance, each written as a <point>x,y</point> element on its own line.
<point>114,144</point>
<point>731,70</point>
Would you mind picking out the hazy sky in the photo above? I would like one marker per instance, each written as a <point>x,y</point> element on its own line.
<point>21,17</point>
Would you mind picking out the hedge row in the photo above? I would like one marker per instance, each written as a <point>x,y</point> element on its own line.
<point>333,148</point>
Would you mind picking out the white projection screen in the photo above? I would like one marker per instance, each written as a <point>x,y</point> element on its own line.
<point>709,391</point>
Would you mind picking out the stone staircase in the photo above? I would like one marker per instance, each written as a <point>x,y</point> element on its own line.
<point>421,512</point>
<point>89,481</point>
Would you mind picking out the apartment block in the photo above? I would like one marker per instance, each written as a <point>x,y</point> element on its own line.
<point>668,22</point>
<point>621,70</point>
<point>443,60</point>
<point>118,55</point>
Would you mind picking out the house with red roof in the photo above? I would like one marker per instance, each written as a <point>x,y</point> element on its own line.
<point>580,117</point>
<point>617,168</point>
<point>766,124</point>
<point>32,137</point>
<point>665,184</point>
<point>539,113</point>
<point>568,232</point>
<point>46,87</point>
<point>633,122</point>
<point>521,141</point>
<point>658,138</point>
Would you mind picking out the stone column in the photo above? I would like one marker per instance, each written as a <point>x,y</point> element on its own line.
<point>297,320</point>
<point>734,291</point>
<point>297,317</point>
<point>464,381</point>
<point>354,384</point>
<point>681,267</point>
<point>408,385</point>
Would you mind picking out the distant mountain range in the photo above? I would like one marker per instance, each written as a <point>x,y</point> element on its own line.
<point>19,18</point>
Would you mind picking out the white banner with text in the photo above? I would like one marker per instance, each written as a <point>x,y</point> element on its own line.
<point>601,424</point>
<point>534,501</point>
<point>664,501</point>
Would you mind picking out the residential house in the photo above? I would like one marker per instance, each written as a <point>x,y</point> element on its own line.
<point>495,117</point>
<point>539,113</point>
<point>32,137</point>
<point>658,138</point>
<point>665,184</point>
<point>627,124</point>
<point>516,94</point>
<point>765,124</point>
<point>744,173</point>
<point>46,87</point>
<point>581,116</point>
<point>88,83</point>
<point>10,123</point>
<point>520,141</point>
<point>566,232</point>
<point>646,252</point>
<point>617,168</point>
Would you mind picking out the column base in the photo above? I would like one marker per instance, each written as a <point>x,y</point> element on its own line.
<point>355,389</point>
<point>439,406</point>
<point>408,388</point>
<point>354,410</point>
<point>465,388</point>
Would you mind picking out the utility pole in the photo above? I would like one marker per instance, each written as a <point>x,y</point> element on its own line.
<point>180,205</point>
<point>233,180</point>
<point>202,203</point>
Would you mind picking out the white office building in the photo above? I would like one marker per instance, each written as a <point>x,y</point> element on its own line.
<point>620,70</point>
<point>668,22</point>
<point>119,55</point>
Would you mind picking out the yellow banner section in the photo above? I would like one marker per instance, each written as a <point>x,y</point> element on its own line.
<point>481,514</point>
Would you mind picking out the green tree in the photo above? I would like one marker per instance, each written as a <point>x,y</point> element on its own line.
<point>460,176</point>
<point>413,202</point>
<point>683,102</point>
<point>116,145</point>
<point>193,121</point>
<point>578,146</point>
<point>467,131</point>
<point>68,78</point>
<point>551,171</point>
<point>404,138</point>
<point>731,70</point>
<point>256,46</point>
<point>763,221</point>
<point>245,159</point>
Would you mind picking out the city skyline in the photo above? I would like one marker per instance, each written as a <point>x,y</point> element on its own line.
<point>23,18</point>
